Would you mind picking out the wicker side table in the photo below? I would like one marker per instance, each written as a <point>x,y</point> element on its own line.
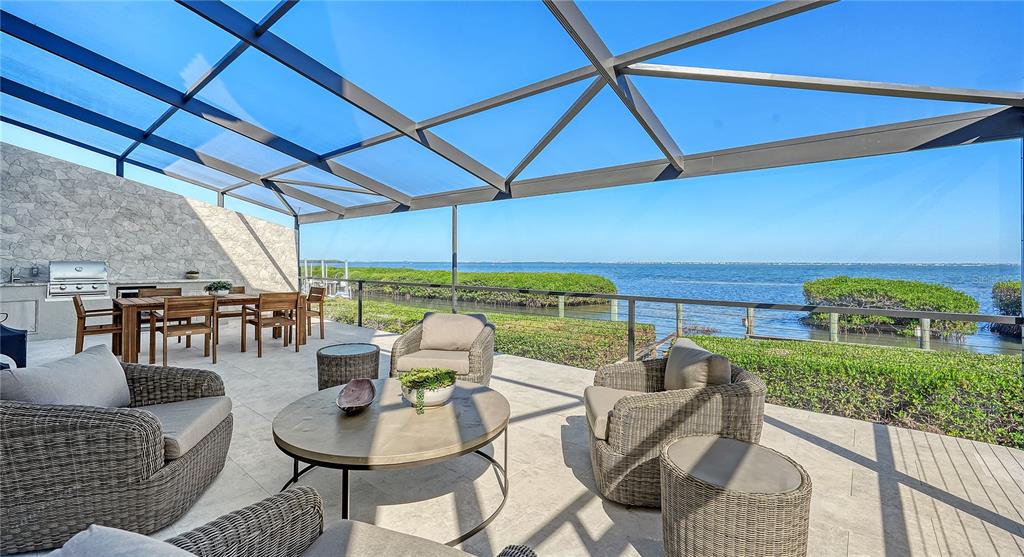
<point>721,496</point>
<point>340,363</point>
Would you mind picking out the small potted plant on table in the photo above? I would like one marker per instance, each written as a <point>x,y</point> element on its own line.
<point>427,387</point>
<point>218,288</point>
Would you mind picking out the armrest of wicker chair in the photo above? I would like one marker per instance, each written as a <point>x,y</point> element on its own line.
<point>159,385</point>
<point>647,376</point>
<point>405,344</point>
<point>282,525</point>
<point>641,423</point>
<point>481,356</point>
<point>49,448</point>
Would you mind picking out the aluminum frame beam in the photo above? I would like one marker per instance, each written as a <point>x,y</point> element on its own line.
<point>59,46</point>
<point>243,28</point>
<point>704,34</point>
<point>111,125</point>
<point>994,124</point>
<point>585,36</point>
<point>579,104</point>
<point>321,186</point>
<point>271,18</point>
<point>1006,98</point>
<point>53,135</point>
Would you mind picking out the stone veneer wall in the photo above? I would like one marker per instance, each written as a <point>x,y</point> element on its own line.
<point>52,209</point>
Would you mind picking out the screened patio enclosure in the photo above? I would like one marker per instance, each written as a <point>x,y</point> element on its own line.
<point>263,102</point>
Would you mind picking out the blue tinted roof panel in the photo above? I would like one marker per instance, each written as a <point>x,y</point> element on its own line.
<point>160,39</point>
<point>211,139</point>
<point>42,118</point>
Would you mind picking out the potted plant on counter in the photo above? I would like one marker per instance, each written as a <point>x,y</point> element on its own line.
<point>218,287</point>
<point>427,387</point>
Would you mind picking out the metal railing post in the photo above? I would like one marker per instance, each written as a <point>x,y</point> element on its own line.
<point>359,304</point>
<point>613,309</point>
<point>749,322</point>
<point>561,306</point>
<point>926,334</point>
<point>631,335</point>
<point>833,327</point>
<point>679,320</point>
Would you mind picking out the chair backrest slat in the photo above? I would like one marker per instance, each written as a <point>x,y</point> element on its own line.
<point>237,290</point>
<point>275,301</point>
<point>316,294</point>
<point>158,292</point>
<point>189,306</point>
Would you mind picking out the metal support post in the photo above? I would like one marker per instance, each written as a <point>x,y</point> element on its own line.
<point>359,304</point>
<point>833,327</point>
<point>455,256</point>
<point>631,335</point>
<point>926,333</point>
<point>679,320</point>
<point>749,322</point>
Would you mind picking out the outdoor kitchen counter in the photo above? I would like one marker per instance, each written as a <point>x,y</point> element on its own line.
<point>29,309</point>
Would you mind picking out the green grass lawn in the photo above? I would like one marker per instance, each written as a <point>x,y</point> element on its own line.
<point>574,342</point>
<point>976,396</point>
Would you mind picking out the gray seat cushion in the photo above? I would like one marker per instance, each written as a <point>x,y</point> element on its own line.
<point>689,366</point>
<point>455,360</point>
<point>734,465</point>
<point>451,331</point>
<point>112,542</point>
<point>358,539</point>
<point>186,423</point>
<point>93,377</point>
<point>599,402</point>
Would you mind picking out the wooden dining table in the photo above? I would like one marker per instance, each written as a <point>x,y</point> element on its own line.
<point>131,309</point>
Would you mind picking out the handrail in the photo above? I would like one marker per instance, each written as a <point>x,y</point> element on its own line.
<point>845,310</point>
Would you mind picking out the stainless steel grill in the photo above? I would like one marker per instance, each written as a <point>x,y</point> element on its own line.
<point>86,278</point>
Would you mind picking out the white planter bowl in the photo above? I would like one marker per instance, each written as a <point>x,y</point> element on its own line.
<point>431,397</point>
<point>220,292</point>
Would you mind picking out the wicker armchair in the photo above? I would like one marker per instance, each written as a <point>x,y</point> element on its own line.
<point>481,353</point>
<point>287,524</point>
<point>63,468</point>
<point>626,464</point>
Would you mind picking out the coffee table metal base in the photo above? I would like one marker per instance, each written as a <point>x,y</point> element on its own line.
<point>502,473</point>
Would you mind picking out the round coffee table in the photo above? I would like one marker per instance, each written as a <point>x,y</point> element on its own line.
<point>338,364</point>
<point>389,434</point>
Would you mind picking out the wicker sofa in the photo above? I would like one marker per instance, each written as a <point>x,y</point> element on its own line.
<point>63,468</point>
<point>631,417</point>
<point>291,523</point>
<point>471,363</point>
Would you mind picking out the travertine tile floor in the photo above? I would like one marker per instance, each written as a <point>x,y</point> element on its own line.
<point>877,490</point>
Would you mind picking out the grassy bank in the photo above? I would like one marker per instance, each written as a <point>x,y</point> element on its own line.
<point>976,396</point>
<point>889,294</point>
<point>575,342</point>
<point>563,282</point>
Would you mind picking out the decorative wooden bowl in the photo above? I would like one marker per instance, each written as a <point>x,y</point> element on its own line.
<point>356,395</point>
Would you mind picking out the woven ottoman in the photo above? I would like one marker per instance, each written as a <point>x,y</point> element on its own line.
<point>340,363</point>
<point>721,496</point>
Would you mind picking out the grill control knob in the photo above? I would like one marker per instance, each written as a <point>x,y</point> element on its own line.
<point>78,287</point>
<point>62,287</point>
<point>95,286</point>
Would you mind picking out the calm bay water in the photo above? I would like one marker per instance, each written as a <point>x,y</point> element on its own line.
<point>773,283</point>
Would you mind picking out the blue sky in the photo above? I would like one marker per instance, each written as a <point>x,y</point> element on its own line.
<point>957,205</point>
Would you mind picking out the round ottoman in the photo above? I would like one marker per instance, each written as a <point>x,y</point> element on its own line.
<point>721,496</point>
<point>340,363</point>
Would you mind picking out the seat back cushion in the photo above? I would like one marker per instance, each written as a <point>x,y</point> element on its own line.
<point>689,366</point>
<point>451,331</point>
<point>455,360</point>
<point>112,542</point>
<point>93,377</point>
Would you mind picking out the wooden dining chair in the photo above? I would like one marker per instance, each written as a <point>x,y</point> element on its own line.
<point>178,319</point>
<point>144,315</point>
<point>274,309</point>
<point>232,311</point>
<point>315,306</point>
<point>83,329</point>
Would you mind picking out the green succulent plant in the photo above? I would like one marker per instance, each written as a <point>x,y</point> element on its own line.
<point>426,379</point>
